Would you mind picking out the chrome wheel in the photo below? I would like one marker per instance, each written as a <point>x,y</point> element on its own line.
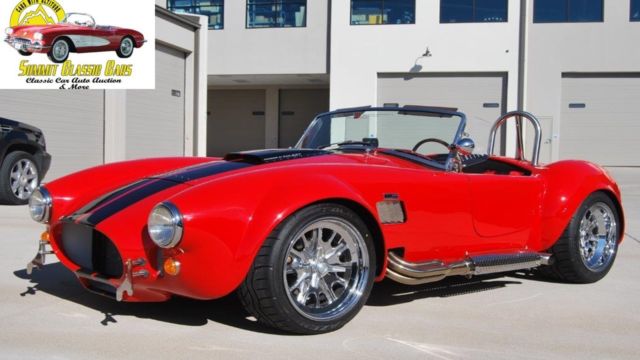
<point>126,46</point>
<point>326,269</point>
<point>598,236</point>
<point>60,50</point>
<point>23,179</point>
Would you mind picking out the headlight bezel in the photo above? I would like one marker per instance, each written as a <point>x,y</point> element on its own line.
<point>175,221</point>
<point>8,31</point>
<point>46,201</point>
<point>38,36</point>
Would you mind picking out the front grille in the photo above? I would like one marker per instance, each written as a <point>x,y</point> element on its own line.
<point>22,41</point>
<point>91,250</point>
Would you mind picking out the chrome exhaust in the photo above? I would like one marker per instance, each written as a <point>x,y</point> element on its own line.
<point>409,273</point>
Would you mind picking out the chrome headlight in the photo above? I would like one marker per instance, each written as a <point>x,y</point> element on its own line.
<point>8,31</point>
<point>37,36</point>
<point>40,205</point>
<point>165,225</point>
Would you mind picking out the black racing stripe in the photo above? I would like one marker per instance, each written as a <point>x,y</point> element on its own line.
<point>201,171</point>
<point>106,206</point>
<point>124,202</point>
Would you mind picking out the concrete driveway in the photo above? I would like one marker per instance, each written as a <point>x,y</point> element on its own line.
<point>49,316</point>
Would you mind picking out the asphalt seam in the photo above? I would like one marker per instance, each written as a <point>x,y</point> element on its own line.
<point>633,238</point>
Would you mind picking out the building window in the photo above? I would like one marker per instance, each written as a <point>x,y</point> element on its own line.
<point>376,12</point>
<point>635,10</point>
<point>553,11</point>
<point>465,11</point>
<point>214,9</point>
<point>276,13</point>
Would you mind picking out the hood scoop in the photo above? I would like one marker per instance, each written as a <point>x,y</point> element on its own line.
<point>258,157</point>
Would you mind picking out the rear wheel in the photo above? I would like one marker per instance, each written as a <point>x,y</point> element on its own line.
<point>587,249</point>
<point>19,178</point>
<point>314,272</point>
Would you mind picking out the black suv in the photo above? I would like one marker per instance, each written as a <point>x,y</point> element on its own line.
<point>24,161</point>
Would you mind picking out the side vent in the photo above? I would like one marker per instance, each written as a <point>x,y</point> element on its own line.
<point>391,210</point>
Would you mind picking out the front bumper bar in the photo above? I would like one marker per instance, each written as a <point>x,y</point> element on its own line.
<point>21,45</point>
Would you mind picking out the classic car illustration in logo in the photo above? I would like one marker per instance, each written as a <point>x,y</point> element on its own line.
<point>303,233</point>
<point>77,33</point>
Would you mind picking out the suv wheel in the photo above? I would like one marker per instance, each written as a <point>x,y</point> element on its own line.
<point>19,178</point>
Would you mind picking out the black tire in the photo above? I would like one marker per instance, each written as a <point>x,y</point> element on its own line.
<point>63,58</point>
<point>124,54</point>
<point>7,196</point>
<point>25,53</point>
<point>568,264</point>
<point>266,294</point>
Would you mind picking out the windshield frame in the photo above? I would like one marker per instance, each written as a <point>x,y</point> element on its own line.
<point>66,18</point>
<point>410,156</point>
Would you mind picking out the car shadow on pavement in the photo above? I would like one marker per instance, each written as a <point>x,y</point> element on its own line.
<point>56,280</point>
<point>391,293</point>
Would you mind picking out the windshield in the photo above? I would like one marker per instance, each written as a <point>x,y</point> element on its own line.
<point>398,129</point>
<point>79,19</point>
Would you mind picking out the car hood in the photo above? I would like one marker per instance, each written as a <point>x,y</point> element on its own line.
<point>28,30</point>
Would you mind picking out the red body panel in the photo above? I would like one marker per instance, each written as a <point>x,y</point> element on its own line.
<point>227,216</point>
<point>50,33</point>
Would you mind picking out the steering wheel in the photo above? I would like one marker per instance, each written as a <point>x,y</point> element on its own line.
<point>424,141</point>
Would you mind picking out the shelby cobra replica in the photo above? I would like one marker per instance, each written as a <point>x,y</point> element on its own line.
<point>76,33</point>
<point>303,233</point>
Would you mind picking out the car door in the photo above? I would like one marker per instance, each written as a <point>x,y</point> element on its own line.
<point>505,208</point>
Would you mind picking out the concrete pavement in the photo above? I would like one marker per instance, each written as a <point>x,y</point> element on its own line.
<point>49,315</point>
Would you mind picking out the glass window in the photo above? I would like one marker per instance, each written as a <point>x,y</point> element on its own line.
<point>214,9</point>
<point>635,10</point>
<point>461,11</point>
<point>549,11</point>
<point>376,12</point>
<point>276,13</point>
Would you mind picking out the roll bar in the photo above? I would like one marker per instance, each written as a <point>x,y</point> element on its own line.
<point>519,134</point>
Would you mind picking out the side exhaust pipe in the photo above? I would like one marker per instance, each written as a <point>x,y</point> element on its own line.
<point>409,273</point>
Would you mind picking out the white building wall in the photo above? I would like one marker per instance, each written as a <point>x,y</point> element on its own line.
<point>552,49</point>
<point>359,53</point>
<point>238,50</point>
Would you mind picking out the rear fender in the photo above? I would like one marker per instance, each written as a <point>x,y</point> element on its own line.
<point>568,184</point>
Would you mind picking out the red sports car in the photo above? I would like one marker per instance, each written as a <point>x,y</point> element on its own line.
<point>303,233</point>
<point>76,33</point>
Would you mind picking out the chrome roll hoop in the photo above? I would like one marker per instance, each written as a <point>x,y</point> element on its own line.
<point>518,115</point>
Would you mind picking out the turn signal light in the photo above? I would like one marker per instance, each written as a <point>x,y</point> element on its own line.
<point>171,266</point>
<point>45,236</point>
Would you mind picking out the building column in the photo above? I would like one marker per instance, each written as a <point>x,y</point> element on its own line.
<point>272,117</point>
<point>115,127</point>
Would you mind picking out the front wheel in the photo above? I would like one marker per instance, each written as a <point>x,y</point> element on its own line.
<point>314,272</point>
<point>60,50</point>
<point>24,53</point>
<point>126,48</point>
<point>587,249</point>
<point>19,178</point>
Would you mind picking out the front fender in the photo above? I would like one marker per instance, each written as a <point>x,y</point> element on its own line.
<point>568,184</point>
<point>227,221</point>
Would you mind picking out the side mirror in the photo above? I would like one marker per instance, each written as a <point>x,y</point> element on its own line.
<point>466,146</point>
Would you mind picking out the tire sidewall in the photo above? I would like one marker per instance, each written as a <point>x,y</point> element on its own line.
<point>50,54</point>
<point>120,53</point>
<point>6,195</point>
<point>293,226</point>
<point>586,274</point>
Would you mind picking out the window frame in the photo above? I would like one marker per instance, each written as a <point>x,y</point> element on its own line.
<point>275,2</point>
<point>196,4</point>
<point>474,21</point>
<point>567,21</point>
<point>631,18</point>
<point>382,8</point>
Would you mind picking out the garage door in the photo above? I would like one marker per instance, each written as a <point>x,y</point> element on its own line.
<point>72,123</point>
<point>155,118</point>
<point>236,121</point>
<point>297,109</point>
<point>480,96</point>
<point>600,119</point>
